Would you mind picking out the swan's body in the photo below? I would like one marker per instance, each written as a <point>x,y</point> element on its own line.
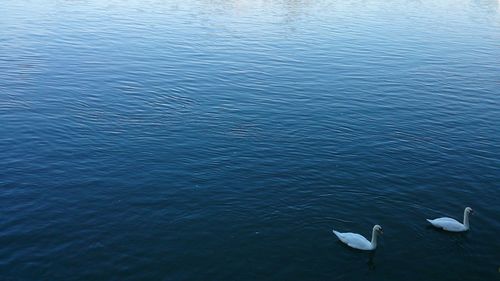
<point>359,242</point>
<point>453,225</point>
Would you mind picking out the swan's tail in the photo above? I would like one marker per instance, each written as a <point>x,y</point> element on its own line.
<point>336,233</point>
<point>430,221</point>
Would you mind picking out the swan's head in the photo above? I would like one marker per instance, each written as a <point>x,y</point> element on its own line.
<point>378,229</point>
<point>469,210</point>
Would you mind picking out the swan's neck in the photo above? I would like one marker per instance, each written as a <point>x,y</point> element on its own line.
<point>374,239</point>
<point>466,219</point>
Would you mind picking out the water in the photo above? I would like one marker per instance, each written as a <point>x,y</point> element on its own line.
<point>224,140</point>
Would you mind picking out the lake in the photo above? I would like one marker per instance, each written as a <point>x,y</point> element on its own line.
<point>225,139</point>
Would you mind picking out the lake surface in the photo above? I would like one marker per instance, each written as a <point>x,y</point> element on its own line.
<point>224,140</point>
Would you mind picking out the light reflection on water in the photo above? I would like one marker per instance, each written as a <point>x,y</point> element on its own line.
<point>222,140</point>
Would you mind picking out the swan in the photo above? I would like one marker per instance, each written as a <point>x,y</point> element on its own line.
<point>359,242</point>
<point>453,225</point>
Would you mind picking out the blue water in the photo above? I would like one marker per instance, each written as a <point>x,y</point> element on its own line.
<point>224,140</point>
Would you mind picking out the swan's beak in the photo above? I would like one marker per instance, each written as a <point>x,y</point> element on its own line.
<point>381,231</point>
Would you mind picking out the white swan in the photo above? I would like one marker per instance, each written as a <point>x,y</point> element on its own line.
<point>359,242</point>
<point>453,225</point>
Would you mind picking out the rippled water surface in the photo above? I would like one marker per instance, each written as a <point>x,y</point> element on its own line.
<point>224,140</point>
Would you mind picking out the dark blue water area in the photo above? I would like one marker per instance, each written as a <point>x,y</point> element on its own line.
<point>224,140</point>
